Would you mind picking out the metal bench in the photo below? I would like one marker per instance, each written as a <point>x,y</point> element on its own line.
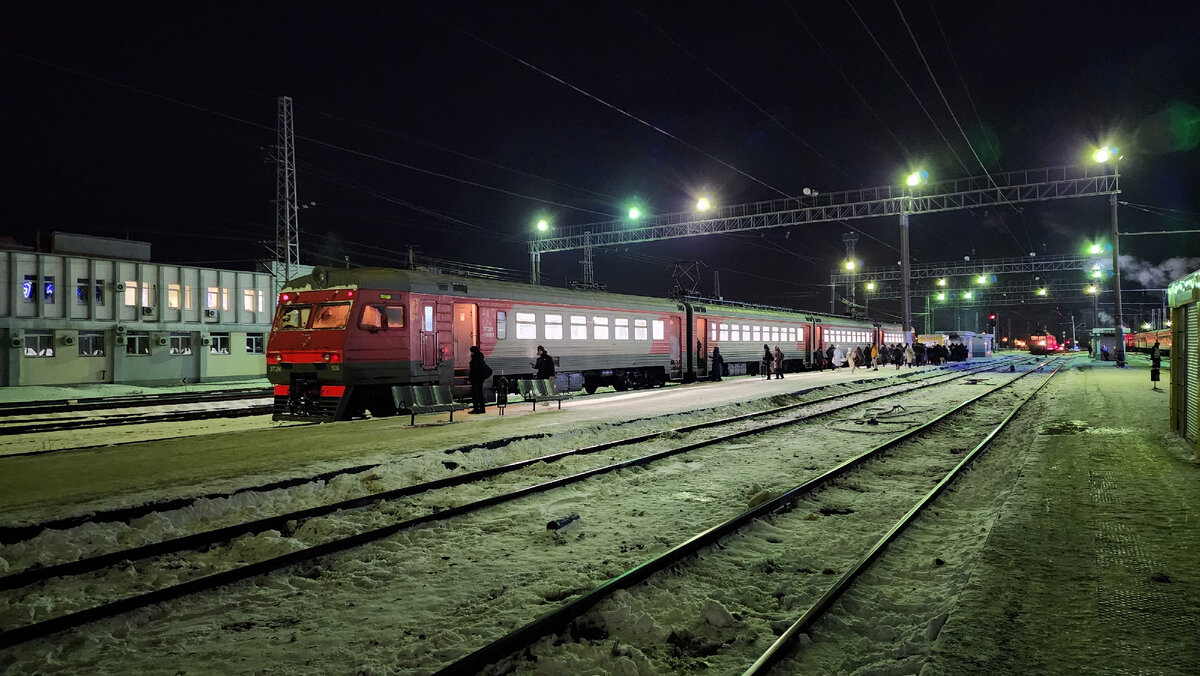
<point>425,399</point>
<point>540,390</point>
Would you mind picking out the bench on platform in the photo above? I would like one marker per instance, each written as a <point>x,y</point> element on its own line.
<point>425,399</point>
<point>540,390</point>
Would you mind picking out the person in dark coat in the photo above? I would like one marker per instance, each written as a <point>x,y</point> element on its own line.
<point>767,360</point>
<point>778,363</point>
<point>544,364</point>
<point>1155,365</point>
<point>829,358</point>
<point>478,372</point>
<point>716,365</point>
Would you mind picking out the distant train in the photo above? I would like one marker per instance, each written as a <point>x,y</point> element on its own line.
<point>1144,341</point>
<point>343,338</point>
<point>1042,343</point>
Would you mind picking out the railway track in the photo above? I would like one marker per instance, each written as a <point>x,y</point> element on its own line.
<point>731,554</point>
<point>751,424</point>
<point>58,416</point>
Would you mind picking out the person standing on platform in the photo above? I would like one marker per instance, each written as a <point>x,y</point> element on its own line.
<point>839,356</point>
<point>910,356</point>
<point>829,357</point>
<point>874,356</point>
<point>544,364</point>
<point>717,365</point>
<point>1155,366</point>
<point>778,363</point>
<point>767,359</point>
<point>478,372</point>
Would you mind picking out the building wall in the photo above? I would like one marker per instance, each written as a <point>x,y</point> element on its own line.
<point>1184,298</point>
<point>49,302</point>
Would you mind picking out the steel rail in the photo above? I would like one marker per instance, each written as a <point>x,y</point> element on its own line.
<point>12,409</point>
<point>130,419</point>
<point>285,521</point>
<point>35,630</point>
<point>556,620</point>
<point>831,595</point>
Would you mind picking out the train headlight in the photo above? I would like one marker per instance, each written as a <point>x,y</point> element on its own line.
<point>326,356</point>
<point>277,358</point>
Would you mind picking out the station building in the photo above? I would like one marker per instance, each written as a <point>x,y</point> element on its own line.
<point>96,310</point>
<point>1183,295</point>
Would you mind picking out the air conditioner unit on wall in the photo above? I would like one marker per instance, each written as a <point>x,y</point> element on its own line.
<point>120,328</point>
<point>147,310</point>
<point>17,341</point>
<point>206,340</point>
<point>119,286</point>
<point>211,314</point>
<point>162,341</point>
<point>120,339</point>
<point>68,339</point>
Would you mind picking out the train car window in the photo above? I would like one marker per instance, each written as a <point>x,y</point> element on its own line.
<point>621,328</point>
<point>427,320</point>
<point>501,325</point>
<point>578,327</point>
<point>526,326</point>
<point>600,327</point>
<point>774,334</point>
<point>724,332</point>
<point>554,329</point>
<point>293,317</point>
<point>656,329</point>
<point>372,319</point>
<point>755,335</point>
<point>712,331</point>
<point>331,316</point>
<point>639,329</point>
<point>745,333</point>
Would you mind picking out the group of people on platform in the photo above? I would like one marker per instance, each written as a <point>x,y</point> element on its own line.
<point>873,356</point>
<point>479,371</point>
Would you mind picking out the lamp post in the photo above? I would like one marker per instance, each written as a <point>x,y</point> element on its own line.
<point>1103,156</point>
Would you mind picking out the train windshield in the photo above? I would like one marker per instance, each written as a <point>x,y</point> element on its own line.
<point>331,316</point>
<point>293,317</point>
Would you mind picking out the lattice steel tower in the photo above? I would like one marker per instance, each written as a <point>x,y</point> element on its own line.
<point>287,229</point>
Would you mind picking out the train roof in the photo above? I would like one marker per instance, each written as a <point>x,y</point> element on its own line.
<point>423,281</point>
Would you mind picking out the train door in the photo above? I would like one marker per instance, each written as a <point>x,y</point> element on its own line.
<point>676,340</point>
<point>466,332</point>
<point>429,351</point>
<point>701,347</point>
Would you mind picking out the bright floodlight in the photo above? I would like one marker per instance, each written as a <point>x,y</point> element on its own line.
<point>981,279</point>
<point>914,178</point>
<point>870,286</point>
<point>968,295</point>
<point>703,204</point>
<point>1091,289</point>
<point>1096,274</point>
<point>942,282</point>
<point>1146,326</point>
<point>941,295</point>
<point>1096,248</point>
<point>543,225</point>
<point>1101,155</point>
<point>1041,292</point>
<point>634,213</point>
<point>849,265</point>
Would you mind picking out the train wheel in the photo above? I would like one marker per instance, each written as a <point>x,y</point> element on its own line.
<point>620,385</point>
<point>590,388</point>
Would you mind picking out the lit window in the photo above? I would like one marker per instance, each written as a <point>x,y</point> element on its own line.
<point>712,330</point>
<point>640,331</point>
<point>131,295</point>
<point>578,327</point>
<point>173,293</point>
<point>526,326</point>
<point>755,335</point>
<point>381,317</point>
<point>774,334</point>
<point>427,319</point>
<point>724,332</point>
<point>224,299</point>
<point>501,325</point>
<point>248,300</point>
<point>210,297</point>
<point>330,316</point>
<point>293,317</point>
<point>745,332</point>
<point>656,329</point>
<point>621,328</point>
<point>81,291</point>
<point>554,329</point>
<point>147,299</point>
<point>600,327</point>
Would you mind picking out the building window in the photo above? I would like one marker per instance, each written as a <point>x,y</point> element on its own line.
<point>181,343</point>
<point>248,300</point>
<point>621,328</point>
<point>137,342</point>
<point>210,297</point>
<point>501,325</point>
<point>600,328</point>
<point>260,301</point>
<point>254,343</point>
<point>526,326</point>
<point>578,327</point>
<point>225,299</point>
<point>131,294</point>
<point>639,329</point>
<point>187,297</point>
<point>91,343</point>
<point>656,329</point>
<point>173,293</point>
<point>219,344</point>
<point>81,291</point>
<point>39,344</point>
<point>29,288</point>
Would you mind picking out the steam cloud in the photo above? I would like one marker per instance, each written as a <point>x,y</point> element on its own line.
<point>1148,275</point>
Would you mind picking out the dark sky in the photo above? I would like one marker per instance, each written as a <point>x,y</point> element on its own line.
<point>442,126</point>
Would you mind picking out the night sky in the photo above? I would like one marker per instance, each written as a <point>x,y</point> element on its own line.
<point>451,126</point>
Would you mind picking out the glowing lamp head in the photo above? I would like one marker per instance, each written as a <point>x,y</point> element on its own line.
<point>981,279</point>
<point>968,295</point>
<point>1095,249</point>
<point>1091,289</point>
<point>870,286</point>
<point>634,213</point>
<point>917,178</point>
<point>543,225</point>
<point>1095,274</point>
<point>942,282</point>
<point>285,297</point>
<point>849,265</point>
<point>1101,155</point>
<point>703,204</point>
<point>941,296</point>
<point>1041,292</point>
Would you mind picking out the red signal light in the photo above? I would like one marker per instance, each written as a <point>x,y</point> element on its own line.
<point>992,317</point>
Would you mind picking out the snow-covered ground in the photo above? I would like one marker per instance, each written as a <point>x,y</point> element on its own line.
<point>384,608</point>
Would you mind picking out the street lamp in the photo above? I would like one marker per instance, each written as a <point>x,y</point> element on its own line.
<point>634,213</point>
<point>703,204</point>
<point>914,179</point>
<point>1104,156</point>
<point>941,282</point>
<point>543,225</point>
